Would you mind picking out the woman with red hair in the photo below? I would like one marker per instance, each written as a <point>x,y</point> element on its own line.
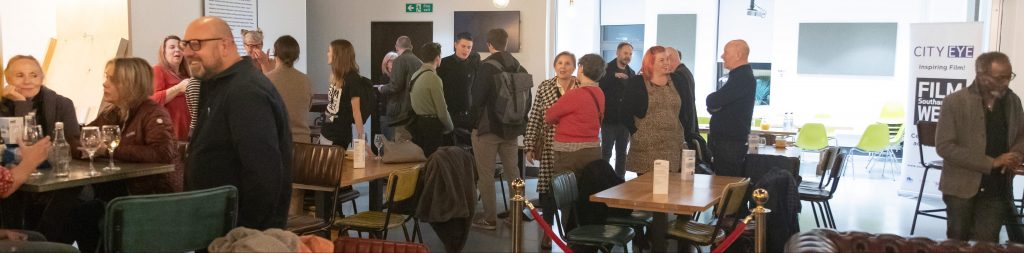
<point>658,102</point>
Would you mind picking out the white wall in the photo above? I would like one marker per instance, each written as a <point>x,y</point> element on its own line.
<point>853,101</point>
<point>285,17</point>
<point>1012,40</point>
<point>757,31</point>
<point>28,26</point>
<point>329,20</point>
<point>152,20</point>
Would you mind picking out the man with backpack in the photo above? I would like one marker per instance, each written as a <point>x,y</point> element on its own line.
<point>501,99</point>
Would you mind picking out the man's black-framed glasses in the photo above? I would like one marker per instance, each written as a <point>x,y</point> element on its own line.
<point>195,45</point>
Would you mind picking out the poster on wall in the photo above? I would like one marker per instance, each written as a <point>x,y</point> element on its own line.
<point>239,14</point>
<point>941,62</point>
<point>762,75</point>
<point>478,23</point>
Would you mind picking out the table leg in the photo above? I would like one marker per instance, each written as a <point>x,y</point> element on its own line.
<point>657,231</point>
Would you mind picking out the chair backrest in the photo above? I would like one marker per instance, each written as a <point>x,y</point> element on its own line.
<point>175,222</point>
<point>825,165</point>
<point>898,137</point>
<point>812,136</point>
<point>837,169</point>
<point>926,133</point>
<point>703,120</point>
<point>875,138</point>
<point>565,193</point>
<point>732,198</point>
<point>319,166</point>
<point>403,183</point>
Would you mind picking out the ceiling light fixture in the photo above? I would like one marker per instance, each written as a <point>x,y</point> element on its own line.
<point>501,4</point>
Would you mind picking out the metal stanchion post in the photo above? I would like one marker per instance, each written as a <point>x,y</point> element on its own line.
<point>518,198</point>
<point>760,197</point>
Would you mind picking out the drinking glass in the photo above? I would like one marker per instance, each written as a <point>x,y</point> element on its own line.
<point>91,142</point>
<point>762,142</point>
<point>378,141</point>
<point>112,138</point>
<point>32,134</point>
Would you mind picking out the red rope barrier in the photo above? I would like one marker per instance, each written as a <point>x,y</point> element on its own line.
<point>732,238</point>
<point>547,230</point>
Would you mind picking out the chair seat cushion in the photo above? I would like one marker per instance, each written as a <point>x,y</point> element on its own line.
<point>371,220</point>
<point>635,219</point>
<point>600,234</point>
<point>698,233</point>
<point>304,223</point>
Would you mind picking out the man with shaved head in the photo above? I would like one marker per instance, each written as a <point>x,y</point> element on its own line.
<point>242,136</point>
<point>731,108</point>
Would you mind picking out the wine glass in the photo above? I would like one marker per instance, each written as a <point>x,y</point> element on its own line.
<point>32,134</point>
<point>378,141</point>
<point>91,141</point>
<point>112,138</point>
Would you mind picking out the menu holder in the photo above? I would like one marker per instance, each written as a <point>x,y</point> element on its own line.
<point>359,155</point>
<point>689,164</point>
<point>660,177</point>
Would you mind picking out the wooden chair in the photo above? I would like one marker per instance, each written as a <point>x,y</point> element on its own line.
<point>401,186</point>
<point>703,234</point>
<point>316,168</point>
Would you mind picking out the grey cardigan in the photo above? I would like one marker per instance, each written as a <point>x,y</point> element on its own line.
<point>960,139</point>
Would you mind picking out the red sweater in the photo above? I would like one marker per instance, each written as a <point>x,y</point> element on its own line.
<point>164,79</point>
<point>577,115</point>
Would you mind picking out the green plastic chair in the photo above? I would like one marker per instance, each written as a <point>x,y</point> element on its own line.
<point>812,137</point>
<point>892,113</point>
<point>875,142</point>
<point>175,222</point>
<point>703,120</point>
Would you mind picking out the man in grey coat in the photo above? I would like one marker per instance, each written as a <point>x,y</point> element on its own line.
<point>980,140</point>
<point>397,91</point>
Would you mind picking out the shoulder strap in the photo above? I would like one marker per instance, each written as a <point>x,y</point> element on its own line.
<point>413,81</point>
<point>496,64</point>
<point>600,114</point>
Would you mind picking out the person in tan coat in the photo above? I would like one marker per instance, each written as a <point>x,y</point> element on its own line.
<point>293,87</point>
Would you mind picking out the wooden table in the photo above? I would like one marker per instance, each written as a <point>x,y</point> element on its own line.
<point>683,197</point>
<point>79,175</point>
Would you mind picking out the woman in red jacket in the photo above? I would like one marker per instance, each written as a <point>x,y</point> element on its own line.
<point>145,126</point>
<point>577,116</point>
<point>170,78</point>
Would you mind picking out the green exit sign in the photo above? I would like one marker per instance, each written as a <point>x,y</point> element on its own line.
<point>419,7</point>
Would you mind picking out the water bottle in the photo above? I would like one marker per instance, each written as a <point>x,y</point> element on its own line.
<point>788,122</point>
<point>61,153</point>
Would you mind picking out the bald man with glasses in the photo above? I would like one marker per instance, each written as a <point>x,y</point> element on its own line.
<point>242,136</point>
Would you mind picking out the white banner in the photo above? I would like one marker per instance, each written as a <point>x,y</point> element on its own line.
<point>941,62</point>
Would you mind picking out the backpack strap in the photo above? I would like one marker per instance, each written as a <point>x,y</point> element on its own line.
<point>413,81</point>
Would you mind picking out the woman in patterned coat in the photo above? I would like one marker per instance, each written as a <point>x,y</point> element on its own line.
<point>540,136</point>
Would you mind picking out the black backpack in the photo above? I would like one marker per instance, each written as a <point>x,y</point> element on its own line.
<point>513,95</point>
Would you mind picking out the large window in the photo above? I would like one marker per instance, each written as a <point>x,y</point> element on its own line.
<point>612,35</point>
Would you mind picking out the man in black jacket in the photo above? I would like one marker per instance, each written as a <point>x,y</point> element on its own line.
<point>490,137</point>
<point>731,108</point>
<point>613,133</point>
<point>242,136</point>
<point>456,72</point>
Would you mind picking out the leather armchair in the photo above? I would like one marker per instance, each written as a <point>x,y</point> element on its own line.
<point>827,240</point>
<point>360,245</point>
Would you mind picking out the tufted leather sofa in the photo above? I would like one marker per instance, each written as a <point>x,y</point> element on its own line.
<point>360,245</point>
<point>827,240</point>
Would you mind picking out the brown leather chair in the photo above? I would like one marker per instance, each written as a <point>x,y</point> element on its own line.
<point>317,168</point>
<point>360,245</point>
<point>827,240</point>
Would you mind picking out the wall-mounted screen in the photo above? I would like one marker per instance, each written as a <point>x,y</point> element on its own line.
<point>478,23</point>
<point>867,49</point>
